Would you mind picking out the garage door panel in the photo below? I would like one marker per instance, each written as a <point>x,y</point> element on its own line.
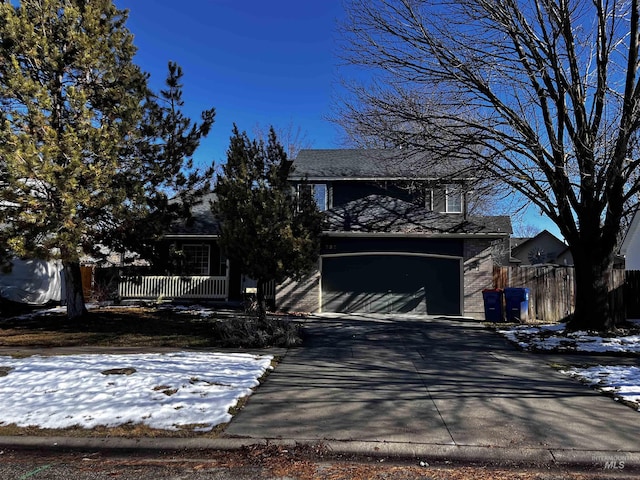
<point>391,283</point>
<point>378,302</point>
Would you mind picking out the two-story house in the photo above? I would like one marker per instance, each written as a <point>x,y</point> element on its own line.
<point>398,237</point>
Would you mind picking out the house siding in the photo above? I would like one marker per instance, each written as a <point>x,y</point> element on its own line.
<point>300,295</point>
<point>433,246</point>
<point>478,274</point>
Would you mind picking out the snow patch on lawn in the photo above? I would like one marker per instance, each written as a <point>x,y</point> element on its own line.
<point>554,338</point>
<point>623,382</point>
<point>620,381</point>
<point>165,391</point>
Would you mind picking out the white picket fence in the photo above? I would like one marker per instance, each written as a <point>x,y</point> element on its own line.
<point>174,287</point>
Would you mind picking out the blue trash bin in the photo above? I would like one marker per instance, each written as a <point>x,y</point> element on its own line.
<point>493,305</point>
<point>517,300</point>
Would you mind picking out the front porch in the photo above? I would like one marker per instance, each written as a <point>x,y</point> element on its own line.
<point>183,287</point>
<point>174,287</point>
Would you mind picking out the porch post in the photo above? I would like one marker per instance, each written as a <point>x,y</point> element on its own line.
<point>227,281</point>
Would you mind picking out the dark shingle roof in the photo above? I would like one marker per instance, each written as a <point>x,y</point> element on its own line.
<point>373,164</point>
<point>377,213</point>
<point>201,222</point>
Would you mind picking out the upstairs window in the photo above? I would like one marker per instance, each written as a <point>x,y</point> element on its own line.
<point>318,192</point>
<point>320,196</point>
<point>453,196</point>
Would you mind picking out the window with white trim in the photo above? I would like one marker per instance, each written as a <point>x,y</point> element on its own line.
<point>320,195</point>
<point>453,196</point>
<point>318,192</point>
<point>196,259</point>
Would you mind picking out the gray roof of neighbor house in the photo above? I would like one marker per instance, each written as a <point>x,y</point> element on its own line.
<point>201,223</point>
<point>526,242</point>
<point>381,214</point>
<point>374,164</point>
<point>515,241</point>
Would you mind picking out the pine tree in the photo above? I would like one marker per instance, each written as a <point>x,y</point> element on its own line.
<point>159,172</point>
<point>82,142</point>
<point>267,231</point>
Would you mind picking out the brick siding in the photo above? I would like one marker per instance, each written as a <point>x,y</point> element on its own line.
<point>478,275</point>
<point>299,295</point>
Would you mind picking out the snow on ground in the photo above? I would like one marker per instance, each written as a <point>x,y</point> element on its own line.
<point>621,381</point>
<point>166,391</point>
<point>553,338</point>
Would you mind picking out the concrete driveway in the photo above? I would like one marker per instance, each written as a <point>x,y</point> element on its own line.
<point>435,382</point>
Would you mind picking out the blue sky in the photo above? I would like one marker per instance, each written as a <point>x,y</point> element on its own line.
<point>256,62</point>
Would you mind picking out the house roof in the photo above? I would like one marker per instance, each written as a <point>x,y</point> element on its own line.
<point>527,242</point>
<point>516,241</point>
<point>382,214</point>
<point>201,223</point>
<point>373,164</point>
<point>554,256</point>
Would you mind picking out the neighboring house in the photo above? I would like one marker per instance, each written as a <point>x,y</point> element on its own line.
<point>398,237</point>
<point>630,248</point>
<point>33,282</point>
<point>544,248</point>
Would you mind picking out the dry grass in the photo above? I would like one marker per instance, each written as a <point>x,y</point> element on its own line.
<point>145,327</point>
<point>123,431</point>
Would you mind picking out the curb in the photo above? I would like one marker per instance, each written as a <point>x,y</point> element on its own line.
<point>455,454</point>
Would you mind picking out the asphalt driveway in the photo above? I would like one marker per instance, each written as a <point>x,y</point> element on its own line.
<point>429,381</point>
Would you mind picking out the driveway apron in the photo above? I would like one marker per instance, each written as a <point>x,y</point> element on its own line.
<point>442,381</point>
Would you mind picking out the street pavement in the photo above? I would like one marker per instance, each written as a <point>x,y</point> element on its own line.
<point>437,389</point>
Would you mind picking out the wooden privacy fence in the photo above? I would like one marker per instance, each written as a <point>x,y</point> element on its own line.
<point>632,293</point>
<point>552,290</point>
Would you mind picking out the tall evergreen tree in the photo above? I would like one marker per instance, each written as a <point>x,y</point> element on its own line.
<point>82,140</point>
<point>268,231</point>
<point>157,170</point>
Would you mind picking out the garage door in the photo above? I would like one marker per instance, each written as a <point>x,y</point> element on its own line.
<point>391,284</point>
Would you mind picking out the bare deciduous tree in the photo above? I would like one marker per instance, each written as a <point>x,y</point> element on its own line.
<point>292,138</point>
<point>544,94</point>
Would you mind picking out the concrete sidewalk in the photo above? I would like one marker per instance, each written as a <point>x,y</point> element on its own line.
<point>434,389</point>
<point>448,387</point>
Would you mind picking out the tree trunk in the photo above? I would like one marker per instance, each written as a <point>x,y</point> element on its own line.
<point>593,270</point>
<point>261,299</point>
<point>74,296</point>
